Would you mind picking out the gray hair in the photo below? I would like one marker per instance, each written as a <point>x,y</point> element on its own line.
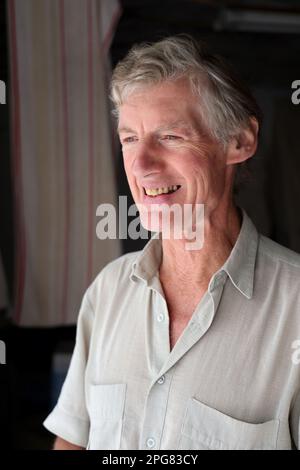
<point>226,102</point>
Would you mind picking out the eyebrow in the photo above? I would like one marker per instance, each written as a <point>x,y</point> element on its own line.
<point>125,129</point>
<point>163,127</point>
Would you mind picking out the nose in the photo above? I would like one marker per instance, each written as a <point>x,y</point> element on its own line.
<point>147,159</point>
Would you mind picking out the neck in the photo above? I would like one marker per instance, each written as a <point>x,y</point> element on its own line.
<point>196,267</point>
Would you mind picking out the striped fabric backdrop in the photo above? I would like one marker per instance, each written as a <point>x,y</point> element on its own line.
<point>63,163</point>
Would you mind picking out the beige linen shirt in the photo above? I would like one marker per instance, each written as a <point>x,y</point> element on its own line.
<point>232,380</point>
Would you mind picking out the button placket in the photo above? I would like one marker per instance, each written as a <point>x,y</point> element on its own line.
<point>155,411</point>
<point>157,334</point>
<point>150,443</point>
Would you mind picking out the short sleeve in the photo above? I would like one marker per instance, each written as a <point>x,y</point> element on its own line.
<point>295,421</point>
<point>69,419</point>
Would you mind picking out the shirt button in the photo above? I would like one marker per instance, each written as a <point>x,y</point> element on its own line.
<point>160,317</point>
<point>150,442</point>
<point>161,380</point>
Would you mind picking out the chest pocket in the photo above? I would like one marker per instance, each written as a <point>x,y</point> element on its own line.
<point>106,408</point>
<point>206,428</point>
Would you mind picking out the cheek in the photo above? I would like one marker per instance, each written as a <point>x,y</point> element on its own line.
<point>203,179</point>
<point>127,166</point>
<point>203,162</point>
<point>126,161</point>
<point>130,177</point>
<point>200,150</point>
<point>196,171</point>
<point>197,157</point>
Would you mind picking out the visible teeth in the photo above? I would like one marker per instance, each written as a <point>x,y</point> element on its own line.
<point>157,191</point>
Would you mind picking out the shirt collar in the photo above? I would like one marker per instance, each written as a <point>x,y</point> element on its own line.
<point>147,262</point>
<point>239,266</point>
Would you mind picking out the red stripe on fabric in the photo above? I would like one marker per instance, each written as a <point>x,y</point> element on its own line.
<point>20,241</point>
<point>65,286</point>
<point>91,154</point>
<point>108,37</point>
<point>112,126</point>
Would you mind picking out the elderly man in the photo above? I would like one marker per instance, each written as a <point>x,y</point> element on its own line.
<point>176,348</point>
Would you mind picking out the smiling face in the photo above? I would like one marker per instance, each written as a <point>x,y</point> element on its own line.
<point>166,149</point>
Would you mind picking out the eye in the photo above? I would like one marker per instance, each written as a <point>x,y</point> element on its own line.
<point>170,137</point>
<point>128,140</point>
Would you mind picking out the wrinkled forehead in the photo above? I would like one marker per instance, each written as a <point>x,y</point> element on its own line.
<point>167,105</point>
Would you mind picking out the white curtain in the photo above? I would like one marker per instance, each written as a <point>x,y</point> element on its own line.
<point>63,162</point>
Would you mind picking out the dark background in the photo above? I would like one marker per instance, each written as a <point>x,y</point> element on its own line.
<point>270,62</point>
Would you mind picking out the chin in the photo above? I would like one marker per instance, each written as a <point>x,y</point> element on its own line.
<point>148,221</point>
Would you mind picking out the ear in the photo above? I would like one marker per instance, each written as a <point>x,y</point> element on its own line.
<point>244,145</point>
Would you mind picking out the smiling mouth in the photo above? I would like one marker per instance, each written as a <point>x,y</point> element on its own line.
<point>153,192</point>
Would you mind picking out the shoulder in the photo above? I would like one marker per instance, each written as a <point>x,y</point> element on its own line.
<point>280,267</point>
<point>279,254</point>
<point>121,266</point>
<point>114,276</point>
